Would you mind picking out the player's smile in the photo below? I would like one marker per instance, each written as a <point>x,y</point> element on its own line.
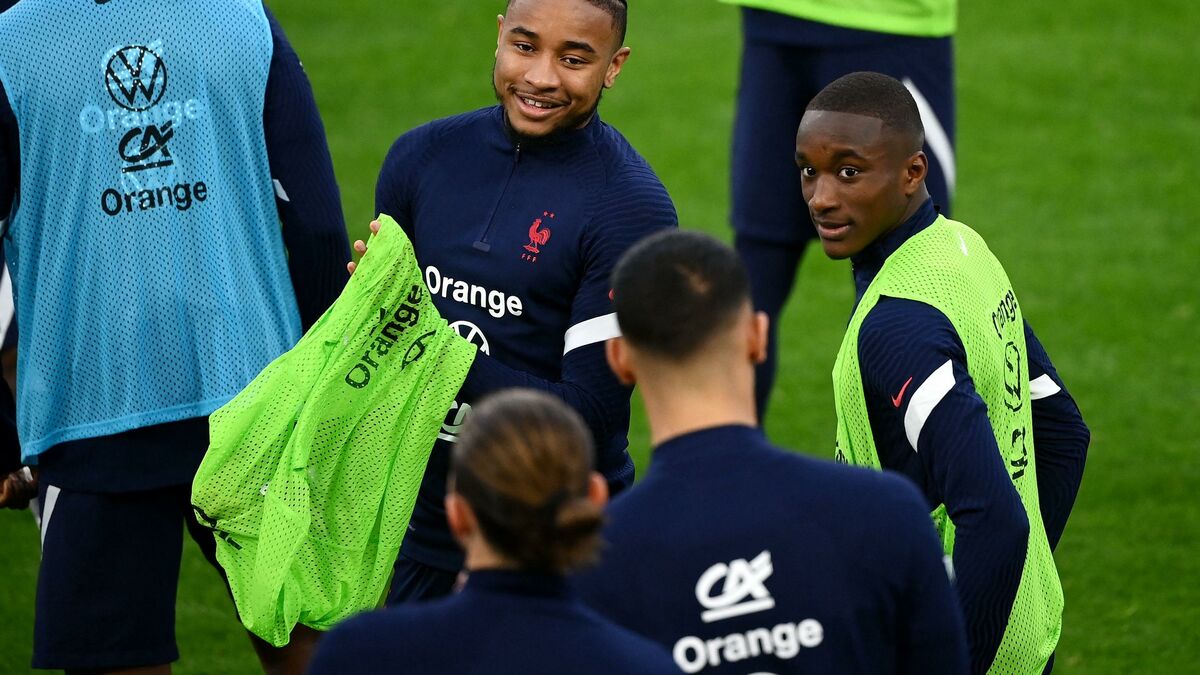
<point>538,108</point>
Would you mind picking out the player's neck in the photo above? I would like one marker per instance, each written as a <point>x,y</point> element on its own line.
<point>481,556</point>
<point>679,402</point>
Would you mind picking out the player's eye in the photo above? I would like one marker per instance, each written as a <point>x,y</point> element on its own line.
<point>807,172</point>
<point>848,172</point>
<point>574,61</point>
<point>523,46</point>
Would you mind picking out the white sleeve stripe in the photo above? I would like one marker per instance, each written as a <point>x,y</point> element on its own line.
<point>1043,387</point>
<point>925,399</point>
<point>279,191</point>
<point>7,310</point>
<point>48,509</point>
<point>591,331</point>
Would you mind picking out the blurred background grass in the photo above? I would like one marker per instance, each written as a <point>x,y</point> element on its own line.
<point>1079,129</point>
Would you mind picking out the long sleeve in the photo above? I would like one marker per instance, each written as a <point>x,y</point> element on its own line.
<point>307,197</point>
<point>1060,440</point>
<point>910,352</point>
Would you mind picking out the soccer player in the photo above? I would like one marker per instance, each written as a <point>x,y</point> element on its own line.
<point>939,377</point>
<point>517,214</point>
<point>790,50</point>
<point>148,152</point>
<point>735,554</point>
<point>526,506</point>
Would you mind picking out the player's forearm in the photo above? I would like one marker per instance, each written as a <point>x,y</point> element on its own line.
<point>991,526</point>
<point>1060,441</point>
<point>988,561</point>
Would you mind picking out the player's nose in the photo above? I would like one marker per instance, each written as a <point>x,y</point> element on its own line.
<point>542,74</point>
<point>824,195</point>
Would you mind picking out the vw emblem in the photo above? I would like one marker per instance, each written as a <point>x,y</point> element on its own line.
<point>471,333</point>
<point>136,78</point>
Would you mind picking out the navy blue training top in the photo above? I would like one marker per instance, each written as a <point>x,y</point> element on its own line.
<point>501,622</point>
<point>741,557</point>
<point>314,233</point>
<point>516,239</point>
<point>956,461</point>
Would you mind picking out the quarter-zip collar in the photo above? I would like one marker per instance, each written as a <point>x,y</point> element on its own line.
<point>870,260</point>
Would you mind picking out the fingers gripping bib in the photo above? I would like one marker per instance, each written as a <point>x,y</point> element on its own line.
<point>313,469</point>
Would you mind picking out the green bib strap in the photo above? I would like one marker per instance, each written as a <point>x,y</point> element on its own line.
<point>313,469</point>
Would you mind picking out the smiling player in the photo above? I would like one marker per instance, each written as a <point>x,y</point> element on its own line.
<point>939,377</point>
<point>517,214</point>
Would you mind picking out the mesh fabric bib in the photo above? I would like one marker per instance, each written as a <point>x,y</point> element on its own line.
<point>312,471</point>
<point>147,261</point>
<point>948,266</point>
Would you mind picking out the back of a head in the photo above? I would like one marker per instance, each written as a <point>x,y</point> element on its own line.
<point>873,95</point>
<point>523,463</point>
<point>675,290</point>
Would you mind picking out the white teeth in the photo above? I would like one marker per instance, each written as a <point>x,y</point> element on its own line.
<point>536,104</point>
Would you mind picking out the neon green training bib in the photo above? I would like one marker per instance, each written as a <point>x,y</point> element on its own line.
<point>919,18</point>
<point>313,469</point>
<point>949,267</point>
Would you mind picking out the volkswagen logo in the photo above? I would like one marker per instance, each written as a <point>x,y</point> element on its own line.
<point>471,333</point>
<point>136,78</point>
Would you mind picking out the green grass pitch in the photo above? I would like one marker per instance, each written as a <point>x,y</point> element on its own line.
<point>1079,128</point>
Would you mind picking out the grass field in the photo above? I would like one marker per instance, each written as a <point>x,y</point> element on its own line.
<point>1079,132</point>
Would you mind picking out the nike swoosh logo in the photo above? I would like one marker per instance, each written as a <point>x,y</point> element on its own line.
<point>899,398</point>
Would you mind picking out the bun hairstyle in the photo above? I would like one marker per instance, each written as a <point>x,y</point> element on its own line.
<point>523,462</point>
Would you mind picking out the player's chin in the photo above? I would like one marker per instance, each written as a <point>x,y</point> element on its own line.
<point>837,249</point>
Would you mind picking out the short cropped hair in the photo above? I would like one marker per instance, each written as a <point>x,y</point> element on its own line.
<point>873,95</point>
<point>617,9</point>
<point>675,290</point>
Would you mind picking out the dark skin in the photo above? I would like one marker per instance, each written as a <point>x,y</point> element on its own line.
<point>861,178</point>
<point>553,58</point>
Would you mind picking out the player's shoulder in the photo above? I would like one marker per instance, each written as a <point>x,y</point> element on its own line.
<point>440,135</point>
<point>395,632</point>
<point>625,650</point>
<point>904,334</point>
<point>850,488</point>
<point>623,165</point>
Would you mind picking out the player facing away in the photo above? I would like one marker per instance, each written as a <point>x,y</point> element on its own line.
<point>517,214</point>
<point>526,506</point>
<point>149,154</point>
<point>790,50</point>
<point>737,555</point>
<point>939,377</point>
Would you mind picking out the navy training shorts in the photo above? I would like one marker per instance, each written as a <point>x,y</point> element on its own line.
<point>109,573</point>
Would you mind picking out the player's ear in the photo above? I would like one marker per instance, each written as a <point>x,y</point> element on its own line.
<point>614,67</point>
<point>460,516</point>
<point>759,336</point>
<point>597,490</point>
<point>915,172</point>
<point>499,33</point>
<point>617,353</point>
